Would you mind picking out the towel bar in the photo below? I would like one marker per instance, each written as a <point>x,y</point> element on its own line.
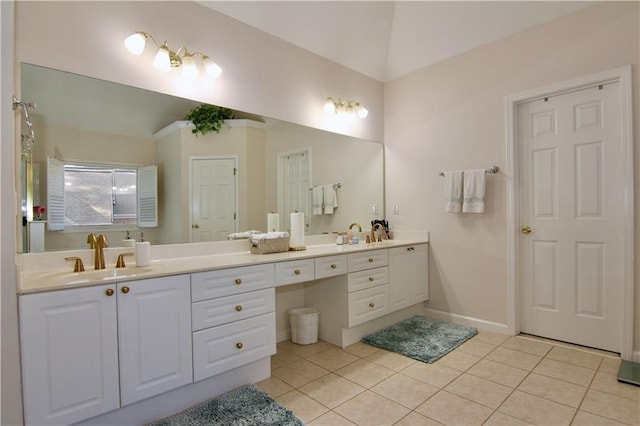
<point>490,171</point>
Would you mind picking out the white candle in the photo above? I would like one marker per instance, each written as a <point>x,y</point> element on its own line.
<point>273,222</point>
<point>296,239</point>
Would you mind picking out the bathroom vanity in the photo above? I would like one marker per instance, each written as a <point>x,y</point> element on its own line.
<point>128,341</point>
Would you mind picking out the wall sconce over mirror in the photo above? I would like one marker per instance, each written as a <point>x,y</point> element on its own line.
<point>166,59</point>
<point>345,108</point>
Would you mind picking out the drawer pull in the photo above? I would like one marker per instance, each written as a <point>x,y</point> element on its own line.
<point>239,345</point>
<point>125,289</point>
<point>238,281</point>
<point>371,260</point>
<point>333,266</point>
<point>371,279</point>
<point>239,308</point>
<point>109,292</point>
<point>297,272</point>
<point>411,248</point>
<point>372,305</point>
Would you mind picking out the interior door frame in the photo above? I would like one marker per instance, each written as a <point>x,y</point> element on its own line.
<point>193,158</point>
<point>622,75</point>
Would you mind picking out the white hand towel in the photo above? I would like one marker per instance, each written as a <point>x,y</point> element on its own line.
<point>330,199</point>
<point>452,191</point>
<point>474,190</point>
<point>317,198</point>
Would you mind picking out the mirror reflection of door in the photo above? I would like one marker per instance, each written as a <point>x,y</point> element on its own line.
<point>295,186</point>
<point>213,198</point>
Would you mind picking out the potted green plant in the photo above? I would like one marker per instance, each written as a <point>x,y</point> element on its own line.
<point>208,118</point>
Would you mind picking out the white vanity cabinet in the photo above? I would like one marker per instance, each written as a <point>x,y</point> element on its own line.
<point>87,351</point>
<point>408,276</point>
<point>368,286</point>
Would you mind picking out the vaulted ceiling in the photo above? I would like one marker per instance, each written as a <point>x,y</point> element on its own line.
<point>388,39</point>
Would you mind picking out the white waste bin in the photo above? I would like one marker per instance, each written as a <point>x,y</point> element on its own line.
<point>304,325</point>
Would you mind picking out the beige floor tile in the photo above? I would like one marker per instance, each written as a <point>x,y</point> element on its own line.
<point>361,349</point>
<point>587,419</point>
<point>405,390</point>
<point>391,360</point>
<point>459,360</point>
<point>609,383</point>
<point>365,373</point>
<point>331,419</point>
<point>274,387</point>
<point>610,365</point>
<point>306,350</point>
<point>536,410</point>
<point>331,358</point>
<point>612,407</point>
<point>523,344</point>
<point>433,374</point>
<point>451,409</point>
<point>331,390</point>
<point>282,358</point>
<point>513,358</point>
<point>500,419</point>
<point>499,373</point>
<point>576,357</point>
<point>303,407</point>
<point>369,408</point>
<point>286,345</point>
<point>491,337</point>
<point>568,372</point>
<point>479,390</point>
<point>299,373</point>
<point>416,419</point>
<point>476,347</point>
<point>553,389</point>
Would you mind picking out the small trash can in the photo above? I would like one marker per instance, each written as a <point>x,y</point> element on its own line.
<point>304,325</point>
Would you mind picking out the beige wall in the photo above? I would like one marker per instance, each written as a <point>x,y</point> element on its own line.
<point>451,116</point>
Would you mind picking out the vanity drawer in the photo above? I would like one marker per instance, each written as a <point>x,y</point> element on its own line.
<point>331,266</point>
<point>223,348</point>
<point>295,271</point>
<point>365,305</point>
<point>226,282</point>
<point>223,310</point>
<point>368,259</point>
<point>368,278</point>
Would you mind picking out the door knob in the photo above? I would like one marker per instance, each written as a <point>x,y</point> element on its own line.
<point>526,229</point>
<point>195,226</point>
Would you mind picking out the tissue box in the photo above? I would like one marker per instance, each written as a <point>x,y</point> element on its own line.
<point>267,243</point>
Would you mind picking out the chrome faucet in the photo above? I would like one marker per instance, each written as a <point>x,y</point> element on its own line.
<point>98,243</point>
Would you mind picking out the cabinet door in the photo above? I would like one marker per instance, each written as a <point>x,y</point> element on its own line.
<point>408,276</point>
<point>69,354</point>
<point>420,265</point>
<point>154,331</point>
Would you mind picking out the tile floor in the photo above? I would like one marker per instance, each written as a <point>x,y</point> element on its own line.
<point>491,379</point>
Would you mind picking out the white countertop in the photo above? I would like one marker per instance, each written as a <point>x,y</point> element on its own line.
<point>38,280</point>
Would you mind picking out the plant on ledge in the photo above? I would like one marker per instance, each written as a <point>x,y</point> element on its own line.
<point>208,118</point>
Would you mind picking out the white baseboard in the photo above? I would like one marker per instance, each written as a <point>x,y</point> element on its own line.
<point>635,357</point>
<point>283,335</point>
<point>464,320</point>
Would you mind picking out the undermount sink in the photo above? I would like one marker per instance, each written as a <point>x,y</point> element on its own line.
<point>95,275</point>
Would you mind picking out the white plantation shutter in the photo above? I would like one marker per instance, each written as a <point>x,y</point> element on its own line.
<point>147,190</point>
<point>55,194</point>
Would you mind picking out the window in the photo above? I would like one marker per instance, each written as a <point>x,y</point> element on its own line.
<point>100,195</point>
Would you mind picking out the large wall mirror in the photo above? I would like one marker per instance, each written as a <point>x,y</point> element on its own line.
<point>208,187</point>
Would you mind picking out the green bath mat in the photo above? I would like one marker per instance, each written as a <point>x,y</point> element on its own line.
<point>421,338</point>
<point>246,406</point>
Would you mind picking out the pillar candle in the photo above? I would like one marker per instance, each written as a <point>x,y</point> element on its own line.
<point>273,222</point>
<point>296,239</point>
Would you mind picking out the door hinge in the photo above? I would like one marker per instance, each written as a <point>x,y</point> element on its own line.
<point>234,216</point>
<point>234,171</point>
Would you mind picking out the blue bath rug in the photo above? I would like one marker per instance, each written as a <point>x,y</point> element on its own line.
<point>246,406</point>
<point>421,338</point>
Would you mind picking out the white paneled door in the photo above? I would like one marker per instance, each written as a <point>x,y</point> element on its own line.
<point>297,177</point>
<point>572,217</point>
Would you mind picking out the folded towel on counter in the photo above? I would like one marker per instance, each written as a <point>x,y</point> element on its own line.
<point>242,235</point>
<point>452,191</point>
<point>330,199</point>
<point>474,191</point>
<point>270,235</point>
<point>317,200</point>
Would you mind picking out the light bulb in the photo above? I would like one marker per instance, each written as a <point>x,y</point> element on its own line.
<point>189,69</point>
<point>330,106</point>
<point>135,43</point>
<point>361,111</point>
<point>213,69</point>
<point>162,62</point>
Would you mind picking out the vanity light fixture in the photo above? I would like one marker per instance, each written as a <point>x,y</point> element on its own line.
<point>166,59</point>
<point>345,108</point>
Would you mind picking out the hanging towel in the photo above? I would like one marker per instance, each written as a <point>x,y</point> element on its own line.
<point>452,191</point>
<point>317,198</point>
<point>474,189</point>
<point>330,199</point>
